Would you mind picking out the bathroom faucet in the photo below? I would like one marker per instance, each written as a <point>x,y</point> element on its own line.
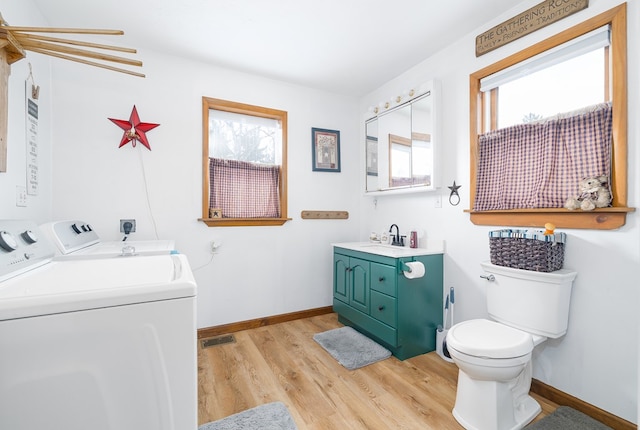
<point>396,239</point>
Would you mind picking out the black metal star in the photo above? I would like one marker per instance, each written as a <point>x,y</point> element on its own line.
<point>454,188</point>
<point>454,193</point>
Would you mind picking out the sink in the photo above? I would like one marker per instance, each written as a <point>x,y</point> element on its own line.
<point>434,247</point>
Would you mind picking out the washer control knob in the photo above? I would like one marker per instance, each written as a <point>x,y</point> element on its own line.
<point>76,229</point>
<point>29,237</point>
<point>7,241</point>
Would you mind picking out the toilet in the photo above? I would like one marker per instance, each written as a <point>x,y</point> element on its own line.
<point>494,355</point>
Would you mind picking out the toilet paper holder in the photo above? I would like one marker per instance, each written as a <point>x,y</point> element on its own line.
<point>404,267</point>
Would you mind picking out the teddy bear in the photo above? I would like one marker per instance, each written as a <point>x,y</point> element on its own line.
<point>594,193</point>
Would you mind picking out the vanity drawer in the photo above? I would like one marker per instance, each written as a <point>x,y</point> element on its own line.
<point>383,278</point>
<point>383,308</point>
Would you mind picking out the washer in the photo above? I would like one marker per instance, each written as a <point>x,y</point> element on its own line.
<point>105,344</point>
<point>75,239</point>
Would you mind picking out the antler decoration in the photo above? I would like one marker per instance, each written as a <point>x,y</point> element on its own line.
<point>17,40</point>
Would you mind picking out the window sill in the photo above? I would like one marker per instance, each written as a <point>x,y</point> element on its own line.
<point>243,222</point>
<point>597,219</point>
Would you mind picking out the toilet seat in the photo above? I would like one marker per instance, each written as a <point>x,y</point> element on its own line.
<point>489,339</point>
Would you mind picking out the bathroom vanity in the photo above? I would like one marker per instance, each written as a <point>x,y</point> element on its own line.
<point>372,294</point>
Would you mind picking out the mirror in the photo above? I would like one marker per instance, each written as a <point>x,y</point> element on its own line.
<point>400,151</point>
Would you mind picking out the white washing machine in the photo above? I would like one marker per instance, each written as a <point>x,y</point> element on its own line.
<point>75,239</point>
<point>100,344</point>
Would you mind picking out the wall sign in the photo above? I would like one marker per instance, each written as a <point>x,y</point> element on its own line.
<point>32,139</point>
<point>535,18</point>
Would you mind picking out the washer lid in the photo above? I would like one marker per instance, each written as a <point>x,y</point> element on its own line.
<point>78,285</point>
<point>484,338</point>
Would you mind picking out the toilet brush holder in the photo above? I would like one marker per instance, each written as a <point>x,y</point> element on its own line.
<point>441,346</point>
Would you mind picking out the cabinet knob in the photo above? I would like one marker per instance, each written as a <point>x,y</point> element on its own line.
<point>381,279</point>
<point>380,308</point>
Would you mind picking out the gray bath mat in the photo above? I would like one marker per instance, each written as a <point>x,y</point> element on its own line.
<point>566,418</point>
<point>351,348</point>
<point>270,416</point>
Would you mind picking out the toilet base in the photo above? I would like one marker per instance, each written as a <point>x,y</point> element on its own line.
<point>489,405</point>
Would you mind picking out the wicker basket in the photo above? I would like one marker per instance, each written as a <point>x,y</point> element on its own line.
<point>526,249</point>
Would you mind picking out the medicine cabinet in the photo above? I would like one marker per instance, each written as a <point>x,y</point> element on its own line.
<point>401,144</point>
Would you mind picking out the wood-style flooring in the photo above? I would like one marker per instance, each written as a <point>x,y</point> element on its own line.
<point>282,362</point>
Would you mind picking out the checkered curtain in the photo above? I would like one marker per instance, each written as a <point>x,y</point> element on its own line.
<point>539,165</point>
<point>244,190</point>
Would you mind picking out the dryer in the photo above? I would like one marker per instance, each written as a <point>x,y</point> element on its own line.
<point>76,239</point>
<point>105,344</point>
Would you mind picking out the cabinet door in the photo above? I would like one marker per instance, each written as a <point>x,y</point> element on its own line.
<point>359,294</point>
<point>341,276</point>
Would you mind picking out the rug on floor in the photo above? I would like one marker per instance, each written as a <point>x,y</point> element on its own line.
<point>351,348</point>
<point>270,416</point>
<point>566,418</point>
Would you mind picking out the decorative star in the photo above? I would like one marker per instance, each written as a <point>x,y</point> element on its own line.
<point>134,129</point>
<point>454,197</point>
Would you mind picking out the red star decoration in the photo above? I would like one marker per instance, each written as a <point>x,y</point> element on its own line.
<point>134,129</point>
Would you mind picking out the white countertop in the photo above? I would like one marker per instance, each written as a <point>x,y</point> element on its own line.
<point>433,247</point>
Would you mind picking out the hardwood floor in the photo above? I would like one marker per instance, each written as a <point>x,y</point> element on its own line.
<point>282,362</point>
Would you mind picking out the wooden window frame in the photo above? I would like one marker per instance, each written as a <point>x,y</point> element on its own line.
<point>246,109</point>
<point>601,218</point>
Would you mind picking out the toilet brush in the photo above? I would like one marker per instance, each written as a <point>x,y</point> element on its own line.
<point>445,321</point>
<point>441,334</point>
<point>453,300</point>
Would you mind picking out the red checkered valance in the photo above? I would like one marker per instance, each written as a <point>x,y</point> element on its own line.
<point>244,190</point>
<point>539,165</point>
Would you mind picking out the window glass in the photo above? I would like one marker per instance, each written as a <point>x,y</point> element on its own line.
<point>234,136</point>
<point>563,87</point>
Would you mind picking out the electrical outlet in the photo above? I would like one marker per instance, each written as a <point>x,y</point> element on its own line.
<point>127,226</point>
<point>214,246</point>
<point>438,202</point>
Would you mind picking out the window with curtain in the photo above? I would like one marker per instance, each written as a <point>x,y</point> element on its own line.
<point>244,164</point>
<point>527,156</point>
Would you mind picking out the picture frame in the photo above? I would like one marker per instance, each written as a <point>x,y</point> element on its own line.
<point>325,150</point>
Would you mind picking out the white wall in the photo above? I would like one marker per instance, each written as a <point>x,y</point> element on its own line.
<point>39,205</point>
<point>258,271</point>
<point>597,360</point>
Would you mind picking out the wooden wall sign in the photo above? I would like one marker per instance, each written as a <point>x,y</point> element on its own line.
<point>535,18</point>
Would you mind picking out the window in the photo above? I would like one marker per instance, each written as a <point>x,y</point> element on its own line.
<point>486,115</point>
<point>244,164</point>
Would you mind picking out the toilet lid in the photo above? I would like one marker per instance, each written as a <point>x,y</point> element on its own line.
<point>484,338</point>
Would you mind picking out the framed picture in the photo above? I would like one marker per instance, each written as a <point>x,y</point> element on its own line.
<point>325,150</point>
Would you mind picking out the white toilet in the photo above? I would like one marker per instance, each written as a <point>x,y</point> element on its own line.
<point>494,357</point>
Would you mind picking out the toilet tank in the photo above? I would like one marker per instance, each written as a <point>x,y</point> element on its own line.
<point>535,302</point>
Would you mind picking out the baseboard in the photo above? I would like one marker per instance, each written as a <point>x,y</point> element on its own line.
<point>261,322</point>
<point>563,399</point>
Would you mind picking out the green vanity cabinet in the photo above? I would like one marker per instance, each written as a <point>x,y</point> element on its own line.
<point>372,295</point>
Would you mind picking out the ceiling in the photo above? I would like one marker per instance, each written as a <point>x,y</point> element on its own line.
<point>348,47</point>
